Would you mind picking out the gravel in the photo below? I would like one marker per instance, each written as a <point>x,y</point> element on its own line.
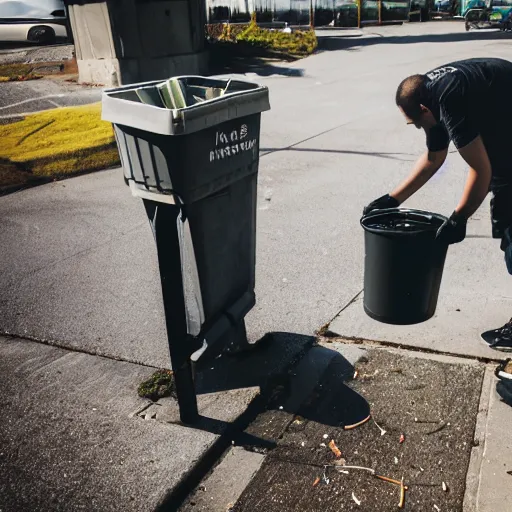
<point>29,55</point>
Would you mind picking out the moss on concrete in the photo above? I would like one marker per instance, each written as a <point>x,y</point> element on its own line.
<point>159,385</point>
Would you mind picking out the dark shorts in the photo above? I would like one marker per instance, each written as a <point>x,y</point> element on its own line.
<point>501,218</point>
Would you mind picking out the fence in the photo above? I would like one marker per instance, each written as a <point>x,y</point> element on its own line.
<point>337,13</point>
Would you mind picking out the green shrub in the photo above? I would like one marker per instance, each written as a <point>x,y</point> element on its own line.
<point>298,43</point>
<point>225,31</point>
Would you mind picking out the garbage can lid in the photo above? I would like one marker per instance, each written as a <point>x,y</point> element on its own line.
<point>401,222</point>
<point>183,104</point>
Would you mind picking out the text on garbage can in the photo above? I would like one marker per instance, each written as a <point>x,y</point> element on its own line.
<point>228,144</point>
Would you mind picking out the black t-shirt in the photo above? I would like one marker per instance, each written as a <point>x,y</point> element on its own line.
<point>470,98</point>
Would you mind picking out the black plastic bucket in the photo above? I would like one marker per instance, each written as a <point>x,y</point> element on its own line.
<point>403,265</point>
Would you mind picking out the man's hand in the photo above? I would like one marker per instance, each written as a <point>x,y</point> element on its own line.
<point>453,230</point>
<point>382,203</point>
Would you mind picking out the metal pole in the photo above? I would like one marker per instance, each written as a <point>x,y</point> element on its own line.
<point>163,218</point>
<point>69,30</point>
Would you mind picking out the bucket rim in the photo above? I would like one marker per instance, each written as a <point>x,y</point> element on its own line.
<point>388,211</point>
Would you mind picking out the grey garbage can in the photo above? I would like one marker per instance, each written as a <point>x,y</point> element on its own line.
<point>403,265</point>
<point>195,167</point>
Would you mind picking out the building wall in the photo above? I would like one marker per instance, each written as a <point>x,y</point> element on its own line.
<point>126,41</point>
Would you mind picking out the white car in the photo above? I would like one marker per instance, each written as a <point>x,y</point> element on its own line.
<point>33,21</point>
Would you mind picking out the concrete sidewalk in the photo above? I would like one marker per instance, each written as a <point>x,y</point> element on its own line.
<point>20,98</point>
<point>74,435</point>
<point>49,92</point>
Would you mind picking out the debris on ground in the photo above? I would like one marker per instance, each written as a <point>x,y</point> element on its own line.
<point>335,449</point>
<point>343,469</point>
<point>325,480</point>
<point>402,494</point>
<point>355,425</point>
<point>390,480</point>
<point>370,470</point>
<point>358,502</point>
<point>504,370</point>
<point>382,431</point>
<point>316,482</point>
<point>370,453</point>
<point>437,508</point>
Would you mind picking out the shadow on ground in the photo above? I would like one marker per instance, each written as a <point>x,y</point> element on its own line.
<point>258,66</point>
<point>229,59</point>
<point>341,42</point>
<point>282,371</point>
<point>290,372</point>
<point>286,368</point>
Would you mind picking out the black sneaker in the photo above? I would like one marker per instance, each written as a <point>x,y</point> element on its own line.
<point>504,389</point>
<point>500,339</point>
<point>504,370</point>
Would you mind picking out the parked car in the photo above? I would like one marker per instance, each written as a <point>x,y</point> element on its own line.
<point>32,21</point>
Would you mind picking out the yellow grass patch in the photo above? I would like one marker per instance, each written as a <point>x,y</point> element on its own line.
<point>57,143</point>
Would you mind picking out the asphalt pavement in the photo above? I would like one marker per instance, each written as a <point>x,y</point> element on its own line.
<point>79,268</point>
<point>18,98</point>
<point>29,53</point>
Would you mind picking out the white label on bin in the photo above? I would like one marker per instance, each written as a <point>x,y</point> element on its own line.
<point>230,144</point>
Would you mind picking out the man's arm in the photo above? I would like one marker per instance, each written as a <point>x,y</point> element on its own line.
<point>426,166</point>
<point>478,180</point>
<point>453,230</point>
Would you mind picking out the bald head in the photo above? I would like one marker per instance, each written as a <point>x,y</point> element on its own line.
<point>411,94</point>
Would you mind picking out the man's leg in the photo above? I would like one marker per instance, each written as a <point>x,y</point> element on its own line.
<point>504,385</point>
<point>501,217</point>
<point>504,389</point>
